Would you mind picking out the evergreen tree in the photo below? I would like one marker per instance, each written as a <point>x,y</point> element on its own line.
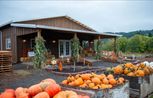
<point>40,51</point>
<point>75,48</point>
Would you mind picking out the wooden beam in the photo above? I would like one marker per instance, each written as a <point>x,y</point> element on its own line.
<point>115,50</point>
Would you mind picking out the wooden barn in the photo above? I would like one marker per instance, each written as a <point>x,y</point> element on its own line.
<point>19,36</point>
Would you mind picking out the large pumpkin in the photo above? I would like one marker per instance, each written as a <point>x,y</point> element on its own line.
<point>128,65</point>
<point>118,69</point>
<point>140,73</point>
<point>65,82</point>
<point>7,95</point>
<point>10,90</point>
<point>52,89</point>
<point>20,91</point>
<point>23,95</point>
<point>78,81</point>
<point>96,80</point>
<point>34,89</point>
<point>66,94</point>
<point>42,95</point>
<point>112,81</point>
<point>49,80</point>
<point>110,76</point>
<point>85,76</point>
<point>43,85</point>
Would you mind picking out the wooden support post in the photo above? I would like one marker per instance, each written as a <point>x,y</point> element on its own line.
<point>115,48</point>
<point>39,33</point>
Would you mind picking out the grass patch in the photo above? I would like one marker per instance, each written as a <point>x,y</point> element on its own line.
<point>22,72</point>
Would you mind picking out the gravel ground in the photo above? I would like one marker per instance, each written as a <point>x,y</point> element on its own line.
<point>21,76</point>
<point>14,80</point>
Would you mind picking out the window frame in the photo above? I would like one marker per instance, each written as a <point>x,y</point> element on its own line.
<point>7,42</point>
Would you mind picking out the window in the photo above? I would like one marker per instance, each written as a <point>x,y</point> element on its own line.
<point>8,43</point>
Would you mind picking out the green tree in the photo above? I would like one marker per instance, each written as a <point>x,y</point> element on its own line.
<point>122,44</point>
<point>150,44</point>
<point>108,45</point>
<point>98,48</point>
<point>137,43</point>
<point>75,48</point>
<point>40,52</point>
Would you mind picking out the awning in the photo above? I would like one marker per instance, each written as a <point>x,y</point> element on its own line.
<point>61,29</point>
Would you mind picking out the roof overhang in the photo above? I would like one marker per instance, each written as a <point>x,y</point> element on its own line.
<point>4,24</point>
<point>34,26</point>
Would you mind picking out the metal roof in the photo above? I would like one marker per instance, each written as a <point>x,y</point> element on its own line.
<point>60,29</point>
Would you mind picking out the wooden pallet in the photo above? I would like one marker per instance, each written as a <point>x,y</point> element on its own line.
<point>5,61</point>
<point>7,68</point>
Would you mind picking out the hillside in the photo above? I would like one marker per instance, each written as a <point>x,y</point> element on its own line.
<point>132,33</point>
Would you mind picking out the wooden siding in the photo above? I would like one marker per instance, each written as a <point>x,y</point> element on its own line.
<point>9,32</point>
<point>62,22</point>
<point>13,32</point>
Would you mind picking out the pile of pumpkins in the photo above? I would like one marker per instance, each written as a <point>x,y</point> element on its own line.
<point>93,81</point>
<point>47,88</point>
<point>130,69</point>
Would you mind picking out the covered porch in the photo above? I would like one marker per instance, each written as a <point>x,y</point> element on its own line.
<point>58,42</point>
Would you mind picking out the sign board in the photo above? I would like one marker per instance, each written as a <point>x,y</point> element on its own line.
<point>31,54</point>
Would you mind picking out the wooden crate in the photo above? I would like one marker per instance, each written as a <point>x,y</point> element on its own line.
<point>121,91</point>
<point>140,86</point>
<point>5,61</point>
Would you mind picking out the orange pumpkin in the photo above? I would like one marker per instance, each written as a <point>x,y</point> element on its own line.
<point>49,80</point>
<point>105,81</point>
<point>91,85</point>
<point>83,85</point>
<point>104,86</point>
<point>121,80</point>
<point>7,95</point>
<point>23,95</point>
<point>110,76</point>
<point>102,76</point>
<point>66,94</point>
<point>10,90</point>
<point>53,89</point>
<point>42,95</point>
<point>70,78</point>
<point>71,83</point>
<point>112,81</point>
<point>43,85</point>
<point>131,74</point>
<point>34,89</point>
<point>140,73</point>
<point>95,87</point>
<point>128,65</point>
<point>20,91</point>
<point>118,69</point>
<point>85,76</point>
<point>96,80</point>
<point>60,66</point>
<point>65,82</point>
<point>78,81</point>
<point>88,81</point>
<point>126,71</point>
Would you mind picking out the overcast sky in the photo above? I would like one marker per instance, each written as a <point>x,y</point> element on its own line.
<point>103,16</point>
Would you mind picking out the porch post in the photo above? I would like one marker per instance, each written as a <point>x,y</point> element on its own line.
<point>115,50</point>
<point>39,33</point>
